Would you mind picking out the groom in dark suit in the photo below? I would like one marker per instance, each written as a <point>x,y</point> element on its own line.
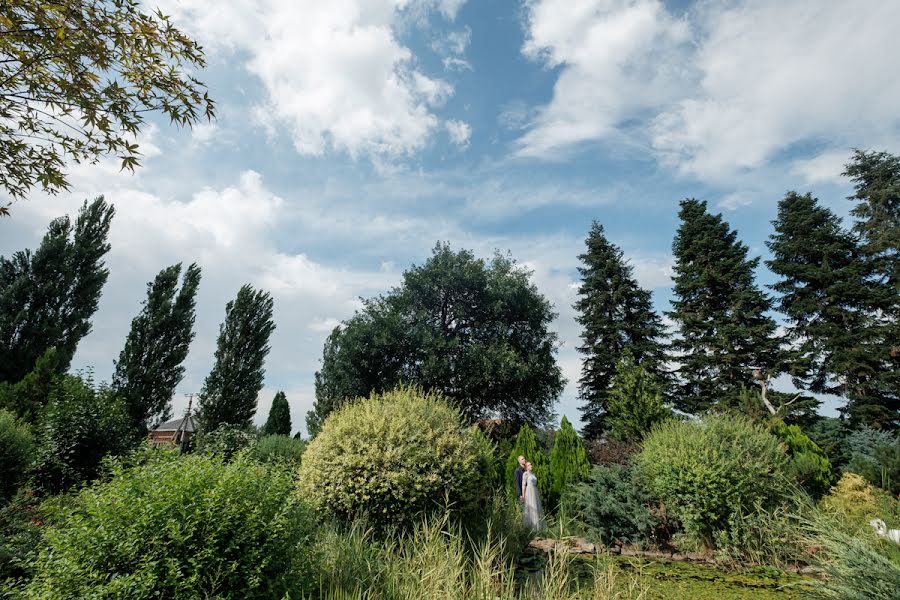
<point>520,470</point>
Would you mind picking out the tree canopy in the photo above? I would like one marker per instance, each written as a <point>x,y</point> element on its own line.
<point>279,421</point>
<point>475,330</point>
<point>79,78</point>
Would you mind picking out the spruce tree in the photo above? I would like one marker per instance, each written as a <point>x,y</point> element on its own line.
<point>569,462</point>
<point>616,315</point>
<point>279,421</point>
<point>723,326</point>
<point>231,389</point>
<point>47,297</point>
<point>527,445</point>
<point>635,402</point>
<point>150,365</point>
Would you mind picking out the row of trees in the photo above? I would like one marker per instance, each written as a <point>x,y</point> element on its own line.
<point>838,292</point>
<point>47,300</point>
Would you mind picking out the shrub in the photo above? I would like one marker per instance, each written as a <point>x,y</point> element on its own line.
<point>392,457</point>
<point>615,505</point>
<point>527,445</point>
<point>876,456</point>
<point>635,401</point>
<point>20,535</point>
<point>831,435</point>
<point>609,451</point>
<point>808,465</point>
<point>569,463</point>
<point>279,448</point>
<point>15,454</point>
<point>225,441</point>
<point>80,425</point>
<point>710,470</point>
<point>856,501</point>
<point>187,527</point>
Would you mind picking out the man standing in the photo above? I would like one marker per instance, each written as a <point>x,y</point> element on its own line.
<point>520,470</point>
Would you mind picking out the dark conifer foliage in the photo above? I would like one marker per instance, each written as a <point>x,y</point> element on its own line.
<point>47,297</point>
<point>231,389</point>
<point>279,421</point>
<point>616,316</point>
<point>723,325</point>
<point>150,365</point>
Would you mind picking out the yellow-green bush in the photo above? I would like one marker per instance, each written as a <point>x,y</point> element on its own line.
<point>394,456</point>
<point>855,500</point>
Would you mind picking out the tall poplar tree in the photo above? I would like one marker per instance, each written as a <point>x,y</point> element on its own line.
<point>47,297</point>
<point>231,389</point>
<point>723,326</point>
<point>616,316</point>
<point>279,421</point>
<point>150,365</point>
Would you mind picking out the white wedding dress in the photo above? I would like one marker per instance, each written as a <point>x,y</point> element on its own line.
<point>533,512</point>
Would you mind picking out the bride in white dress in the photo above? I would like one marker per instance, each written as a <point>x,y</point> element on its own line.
<point>533,512</point>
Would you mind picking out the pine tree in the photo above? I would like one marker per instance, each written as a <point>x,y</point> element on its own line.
<point>150,365</point>
<point>569,462</point>
<point>635,402</point>
<point>279,421</point>
<point>616,315</point>
<point>528,446</point>
<point>724,329</point>
<point>47,297</point>
<point>876,176</point>
<point>231,389</point>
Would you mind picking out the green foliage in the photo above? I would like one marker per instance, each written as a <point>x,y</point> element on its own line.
<point>27,398</point>
<point>475,330</point>
<point>150,365</point>
<point>615,505</point>
<point>711,470</point>
<point>722,316</point>
<point>569,462</point>
<point>279,421</point>
<point>831,435</point>
<point>616,315</point>
<point>527,445</point>
<point>80,426</point>
<point>808,465</point>
<point>230,391</point>
<point>47,297</point>
<point>635,401</point>
<point>225,441</point>
<point>279,448</point>
<point>393,457</point>
<point>875,455</point>
<point>856,501</point>
<point>78,82</point>
<point>16,446</point>
<point>20,537</point>
<point>187,527</point>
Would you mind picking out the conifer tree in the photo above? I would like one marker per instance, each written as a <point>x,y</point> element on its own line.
<point>635,402</point>
<point>723,326</point>
<point>279,421</point>
<point>569,462</point>
<point>231,389</point>
<point>150,365</point>
<point>616,315</point>
<point>47,297</point>
<point>527,445</point>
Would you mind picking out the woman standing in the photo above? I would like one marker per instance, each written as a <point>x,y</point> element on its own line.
<point>533,513</point>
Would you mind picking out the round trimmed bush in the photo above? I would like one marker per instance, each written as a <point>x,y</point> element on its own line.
<point>713,471</point>
<point>15,454</point>
<point>392,457</point>
<point>188,527</point>
<point>279,448</point>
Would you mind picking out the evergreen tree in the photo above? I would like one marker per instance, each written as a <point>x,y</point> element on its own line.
<point>231,389</point>
<point>279,421</point>
<point>150,365</point>
<point>827,292</point>
<point>616,315</point>
<point>569,463</point>
<point>635,402</point>
<point>527,445</point>
<point>27,397</point>
<point>724,330</point>
<point>47,297</point>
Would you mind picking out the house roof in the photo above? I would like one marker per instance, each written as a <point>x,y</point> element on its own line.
<point>187,424</point>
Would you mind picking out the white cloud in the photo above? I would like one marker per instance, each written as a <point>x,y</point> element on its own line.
<point>729,89</point>
<point>823,168</point>
<point>452,49</point>
<point>334,73</point>
<point>459,132</point>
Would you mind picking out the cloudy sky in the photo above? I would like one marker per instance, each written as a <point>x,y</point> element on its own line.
<point>353,134</point>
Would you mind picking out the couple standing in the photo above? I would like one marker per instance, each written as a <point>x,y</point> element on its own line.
<point>526,484</point>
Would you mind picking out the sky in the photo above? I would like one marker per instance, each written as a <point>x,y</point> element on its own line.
<point>352,135</point>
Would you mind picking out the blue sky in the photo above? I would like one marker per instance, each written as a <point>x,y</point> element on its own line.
<point>353,134</point>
